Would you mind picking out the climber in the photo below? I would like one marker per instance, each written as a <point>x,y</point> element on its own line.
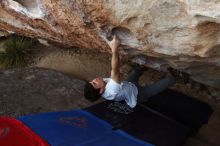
<point>115,89</point>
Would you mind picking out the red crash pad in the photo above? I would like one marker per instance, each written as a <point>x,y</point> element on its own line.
<point>16,133</point>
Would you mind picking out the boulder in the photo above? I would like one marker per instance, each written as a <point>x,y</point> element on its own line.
<point>183,34</point>
<point>35,90</point>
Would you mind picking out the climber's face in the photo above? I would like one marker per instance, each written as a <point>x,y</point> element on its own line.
<point>98,83</point>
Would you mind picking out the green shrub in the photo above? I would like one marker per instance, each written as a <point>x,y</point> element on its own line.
<point>18,52</point>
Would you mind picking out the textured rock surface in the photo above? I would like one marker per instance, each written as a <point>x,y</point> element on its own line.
<point>34,90</point>
<point>181,33</point>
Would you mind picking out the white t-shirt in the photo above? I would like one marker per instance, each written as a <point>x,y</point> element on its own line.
<point>125,91</point>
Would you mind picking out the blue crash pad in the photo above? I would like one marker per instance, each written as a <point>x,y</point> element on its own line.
<point>78,128</point>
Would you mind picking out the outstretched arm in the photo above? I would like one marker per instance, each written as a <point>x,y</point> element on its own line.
<point>115,63</point>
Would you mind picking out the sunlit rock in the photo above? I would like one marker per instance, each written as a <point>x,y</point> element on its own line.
<point>185,34</point>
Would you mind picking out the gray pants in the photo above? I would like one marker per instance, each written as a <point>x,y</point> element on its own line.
<point>145,92</point>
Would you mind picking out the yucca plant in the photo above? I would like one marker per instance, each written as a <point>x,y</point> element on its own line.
<point>18,52</point>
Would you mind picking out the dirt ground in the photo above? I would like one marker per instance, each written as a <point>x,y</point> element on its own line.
<point>87,64</point>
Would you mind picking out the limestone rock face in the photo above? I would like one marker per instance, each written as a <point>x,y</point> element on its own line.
<point>184,34</point>
<point>35,90</point>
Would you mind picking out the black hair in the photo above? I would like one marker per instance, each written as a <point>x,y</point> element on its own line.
<point>91,93</point>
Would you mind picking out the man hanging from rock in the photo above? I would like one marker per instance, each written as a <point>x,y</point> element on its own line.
<point>114,88</point>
